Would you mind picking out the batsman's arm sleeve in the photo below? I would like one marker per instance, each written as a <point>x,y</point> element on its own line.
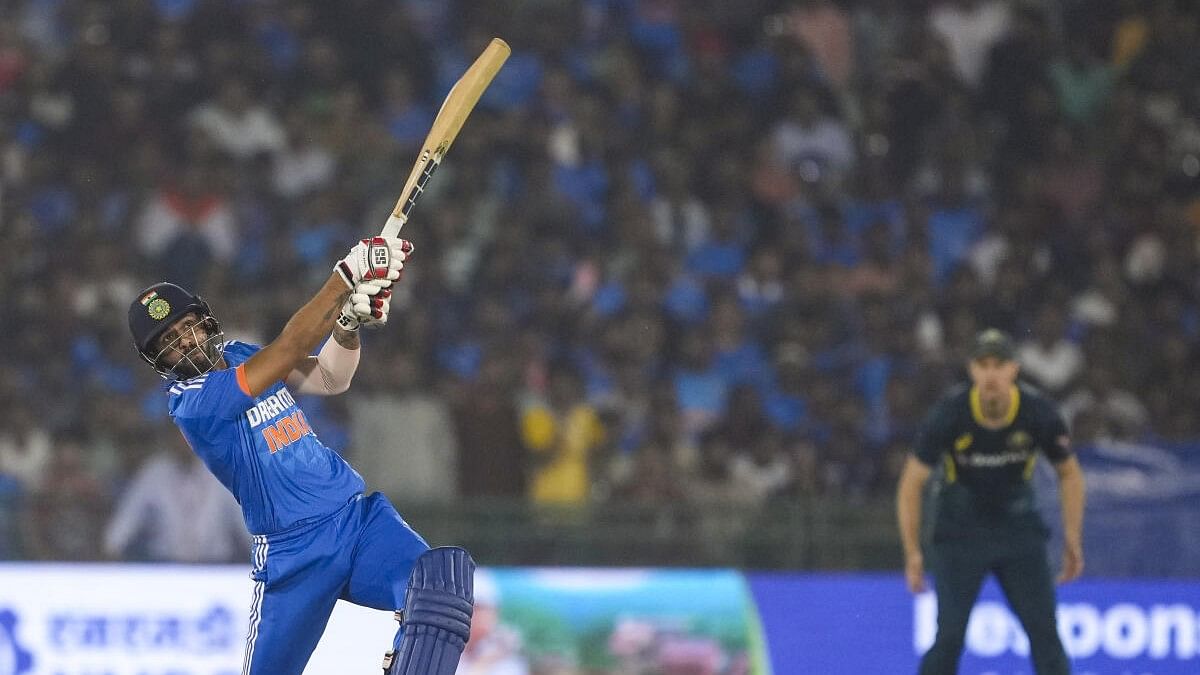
<point>329,372</point>
<point>302,333</point>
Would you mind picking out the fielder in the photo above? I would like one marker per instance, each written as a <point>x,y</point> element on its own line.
<point>986,440</point>
<point>317,538</point>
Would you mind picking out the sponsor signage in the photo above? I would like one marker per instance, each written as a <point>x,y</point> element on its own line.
<point>864,624</point>
<point>173,620</point>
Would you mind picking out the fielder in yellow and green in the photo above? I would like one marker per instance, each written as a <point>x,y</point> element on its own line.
<point>981,443</point>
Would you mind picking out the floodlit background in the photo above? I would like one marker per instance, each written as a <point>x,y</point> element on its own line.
<point>683,289</point>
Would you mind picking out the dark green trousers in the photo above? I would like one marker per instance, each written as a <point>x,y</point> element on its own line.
<point>1019,563</point>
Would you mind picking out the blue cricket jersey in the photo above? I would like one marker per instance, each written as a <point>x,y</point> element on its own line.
<point>262,449</point>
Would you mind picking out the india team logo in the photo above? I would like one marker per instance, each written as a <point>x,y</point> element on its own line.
<point>157,307</point>
<point>13,659</point>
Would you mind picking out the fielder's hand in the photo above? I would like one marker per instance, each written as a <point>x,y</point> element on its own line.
<point>914,572</point>
<point>1072,562</point>
<point>374,259</point>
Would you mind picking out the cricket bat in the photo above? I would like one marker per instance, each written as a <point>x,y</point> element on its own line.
<point>454,111</point>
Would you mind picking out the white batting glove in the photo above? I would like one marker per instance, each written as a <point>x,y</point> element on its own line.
<point>370,303</point>
<point>377,258</point>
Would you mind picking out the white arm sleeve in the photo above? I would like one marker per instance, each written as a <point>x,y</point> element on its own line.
<point>335,366</point>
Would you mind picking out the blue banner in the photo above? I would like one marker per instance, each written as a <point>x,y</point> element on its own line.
<point>1142,498</point>
<point>831,625</point>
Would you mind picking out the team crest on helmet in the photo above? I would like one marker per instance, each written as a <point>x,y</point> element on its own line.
<point>158,309</point>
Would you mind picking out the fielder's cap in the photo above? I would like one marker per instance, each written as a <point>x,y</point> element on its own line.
<point>993,342</point>
<point>157,307</point>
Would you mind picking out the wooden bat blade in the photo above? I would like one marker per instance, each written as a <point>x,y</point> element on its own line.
<point>449,121</point>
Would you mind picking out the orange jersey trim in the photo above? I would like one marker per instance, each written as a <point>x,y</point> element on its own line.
<point>241,379</point>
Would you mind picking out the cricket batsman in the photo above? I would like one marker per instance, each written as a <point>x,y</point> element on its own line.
<point>986,440</point>
<point>317,537</point>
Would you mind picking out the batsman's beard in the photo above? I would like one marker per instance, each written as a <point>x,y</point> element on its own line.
<point>202,356</point>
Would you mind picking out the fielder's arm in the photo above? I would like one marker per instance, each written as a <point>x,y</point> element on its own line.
<point>908,515</point>
<point>1071,496</point>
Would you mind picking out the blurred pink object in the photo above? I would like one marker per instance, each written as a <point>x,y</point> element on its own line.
<point>691,656</point>
<point>631,637</point>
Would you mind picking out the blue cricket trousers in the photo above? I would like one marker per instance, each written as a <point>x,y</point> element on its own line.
<point>363,553</point>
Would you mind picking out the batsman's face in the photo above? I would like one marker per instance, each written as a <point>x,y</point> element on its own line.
<point>993,377</point>
<point>189,346</point>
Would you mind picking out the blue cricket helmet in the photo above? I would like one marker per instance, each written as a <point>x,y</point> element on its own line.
<point>156,308</point>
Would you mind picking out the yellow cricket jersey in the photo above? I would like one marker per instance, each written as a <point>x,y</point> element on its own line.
<point>569,441</point>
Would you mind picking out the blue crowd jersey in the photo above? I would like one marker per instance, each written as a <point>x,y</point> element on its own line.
<point>262,449</point>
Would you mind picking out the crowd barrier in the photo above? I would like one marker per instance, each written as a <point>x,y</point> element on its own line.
<point>187,620</point>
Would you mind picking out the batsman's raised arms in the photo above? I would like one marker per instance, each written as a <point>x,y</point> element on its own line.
<point>454,111</point>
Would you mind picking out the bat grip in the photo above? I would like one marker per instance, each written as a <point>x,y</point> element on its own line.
<point>394,222</point>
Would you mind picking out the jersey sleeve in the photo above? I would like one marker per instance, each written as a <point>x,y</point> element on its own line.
<point>222,394</point>
<point>1056,440</point>
<point>933,438</point>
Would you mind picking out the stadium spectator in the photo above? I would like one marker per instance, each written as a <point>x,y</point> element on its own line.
<point>701,388</point>
<point>302,164</point>
<point>238,123</point>
<point>637,171</point>
<point>1083,82</point>
<point>651,473</point>
<point>175,510</point>
<point>403,435</point>
<point>970,28</point>
<point>825,29</point>
<point>25,448</point>
<point>187,225</point>
<point>763,470</point>
<point>1115,410</point>
<point>563,435</point>
<point>66,514</point>
<point>492,462</point>
<point>811,142</point>
<point>1049,357</point>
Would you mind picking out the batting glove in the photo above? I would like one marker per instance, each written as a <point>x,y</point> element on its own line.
<point>369,304</point>
<point>374,259</point>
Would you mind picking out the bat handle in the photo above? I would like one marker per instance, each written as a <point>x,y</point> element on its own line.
<point>394,222</point>
<point>403,207</point>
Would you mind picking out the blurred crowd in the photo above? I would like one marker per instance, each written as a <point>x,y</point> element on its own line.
<point>684,251</point>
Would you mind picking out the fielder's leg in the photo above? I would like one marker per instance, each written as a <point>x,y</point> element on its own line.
<point>436,620</point>
<point>958,570</point>
<point>1028,585</point>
